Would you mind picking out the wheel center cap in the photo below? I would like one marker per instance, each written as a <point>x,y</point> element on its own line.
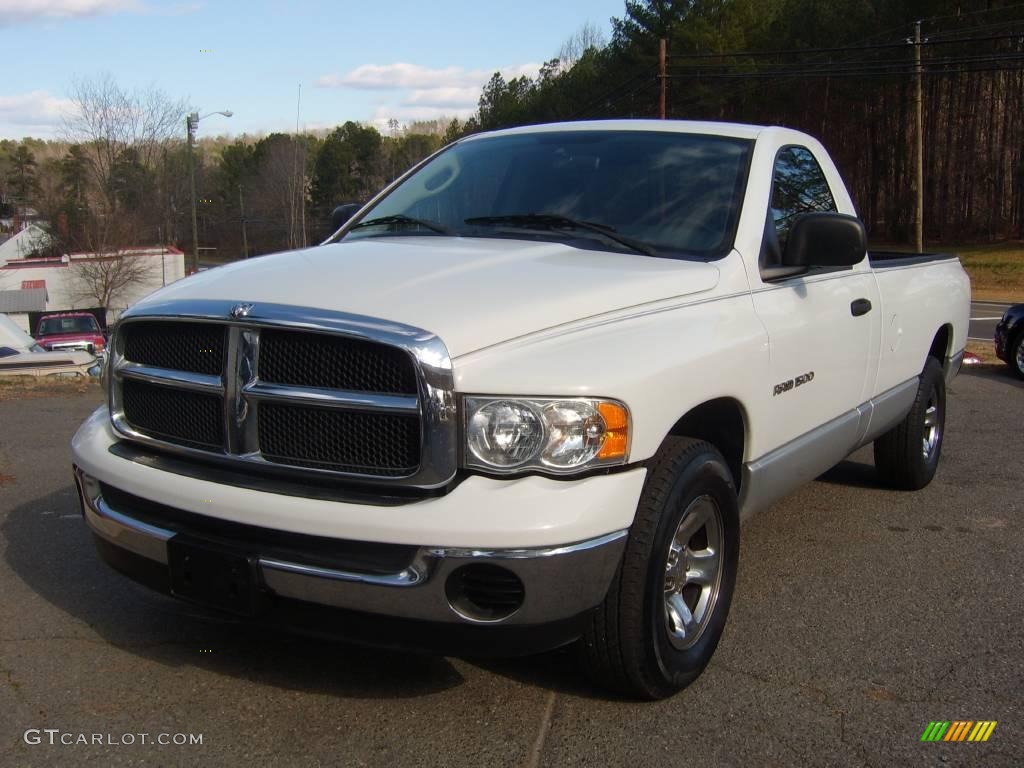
<point>675,571</point>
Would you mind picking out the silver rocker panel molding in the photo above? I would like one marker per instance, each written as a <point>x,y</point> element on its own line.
<point>777,473</point>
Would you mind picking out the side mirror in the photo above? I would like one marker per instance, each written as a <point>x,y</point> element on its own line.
<point>825,240</point>
<point>343,213</point>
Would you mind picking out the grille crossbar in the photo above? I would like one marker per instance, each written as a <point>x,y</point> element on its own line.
<point>335,404</point>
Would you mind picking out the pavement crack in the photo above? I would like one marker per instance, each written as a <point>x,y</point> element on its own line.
<point>542,732</point>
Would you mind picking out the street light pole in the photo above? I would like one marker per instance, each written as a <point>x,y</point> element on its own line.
<point>245,238</point>
<point>191,126</point>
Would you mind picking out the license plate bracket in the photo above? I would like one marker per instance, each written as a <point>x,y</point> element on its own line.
<point>214,576</point>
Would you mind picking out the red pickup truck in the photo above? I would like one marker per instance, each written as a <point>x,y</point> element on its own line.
<point>68,331</point>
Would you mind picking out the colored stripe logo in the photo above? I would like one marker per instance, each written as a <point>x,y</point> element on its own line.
<point>958,730</point>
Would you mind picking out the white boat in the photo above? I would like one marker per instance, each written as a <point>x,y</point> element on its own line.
<point>20,355</point>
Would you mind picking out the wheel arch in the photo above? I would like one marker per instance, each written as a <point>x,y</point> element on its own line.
<point>722,422</point>
<point>942,350</point>
<point>941,342</point>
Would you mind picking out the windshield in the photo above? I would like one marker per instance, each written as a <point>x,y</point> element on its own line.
<point>52,325</point>
<point>662,193</point>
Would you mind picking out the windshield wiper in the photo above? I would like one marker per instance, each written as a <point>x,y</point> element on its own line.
<point>401,218</point>
<point>557,221</point>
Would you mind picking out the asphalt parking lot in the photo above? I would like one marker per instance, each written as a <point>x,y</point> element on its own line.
<point>861,615</point>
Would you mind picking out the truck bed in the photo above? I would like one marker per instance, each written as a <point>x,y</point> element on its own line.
<point>886,259</point>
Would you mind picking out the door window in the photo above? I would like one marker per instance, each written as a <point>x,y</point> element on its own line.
<point>798,187</point>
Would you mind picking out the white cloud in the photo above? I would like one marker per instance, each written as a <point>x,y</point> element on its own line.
<point>36,108</point>
<point>401,75</point>
<point>449,97</point>
<point>422,93</point>
<point>408,114</point>
<point>20,11</point>
<point>398,75</point>
<point>510,73</point>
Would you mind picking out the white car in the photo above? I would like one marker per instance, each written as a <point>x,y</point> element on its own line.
<point>524,396</point>
<point>21,355</point>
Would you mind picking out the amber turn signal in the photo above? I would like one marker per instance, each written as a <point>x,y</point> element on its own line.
<point>616,436</point>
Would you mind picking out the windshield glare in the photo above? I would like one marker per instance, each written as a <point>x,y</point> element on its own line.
<point>52,325</point>
<point>679,193</point>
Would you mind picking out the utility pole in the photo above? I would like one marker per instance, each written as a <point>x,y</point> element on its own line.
<point>919,143</point>
<point>191,124</point>
<point>245,239</point>
<point>662,75</point>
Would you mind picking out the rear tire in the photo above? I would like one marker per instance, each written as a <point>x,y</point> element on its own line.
<point>667,605</point>
<point>907,456</point>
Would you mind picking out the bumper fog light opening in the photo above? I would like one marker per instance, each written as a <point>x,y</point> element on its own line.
<point>484,593</point>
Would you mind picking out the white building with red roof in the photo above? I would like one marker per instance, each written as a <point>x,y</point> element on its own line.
<point>69,281</point>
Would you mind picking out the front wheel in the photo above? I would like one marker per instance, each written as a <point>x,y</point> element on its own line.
<point>666,608</point>
<point>907,456</point>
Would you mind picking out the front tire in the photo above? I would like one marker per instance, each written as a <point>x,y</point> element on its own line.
<point>667,606</point>
<point>907,456</point>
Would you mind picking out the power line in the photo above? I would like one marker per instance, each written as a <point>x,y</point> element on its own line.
<point>813,74</point>
<point>851,68</point>
<point>844,49</point>
<point>944,34</point>
<point>980,11</point>
<point>603,99</point>
<point>717,65</point>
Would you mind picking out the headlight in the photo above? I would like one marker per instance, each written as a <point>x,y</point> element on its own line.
<point>555,435</point>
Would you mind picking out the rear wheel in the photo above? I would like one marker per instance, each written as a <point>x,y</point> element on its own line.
<point>907,456</point>
<point>665,611</point>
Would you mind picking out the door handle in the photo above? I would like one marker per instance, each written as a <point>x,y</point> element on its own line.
<point>860,307</point>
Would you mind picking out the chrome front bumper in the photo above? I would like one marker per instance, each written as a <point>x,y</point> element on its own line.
<point>558,582</point>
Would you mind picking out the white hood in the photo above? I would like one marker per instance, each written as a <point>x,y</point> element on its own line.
<point>471,292</point>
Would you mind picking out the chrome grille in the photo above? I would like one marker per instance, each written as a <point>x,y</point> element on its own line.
<point>369,443</point>
<point>334,362</point>
<point>333,394</point>
<point>189,418</point>
<point>194,347</point>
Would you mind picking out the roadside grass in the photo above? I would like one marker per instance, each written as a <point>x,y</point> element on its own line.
<point>997,271</point>
<point>32,387</point>
<point>985,350</point>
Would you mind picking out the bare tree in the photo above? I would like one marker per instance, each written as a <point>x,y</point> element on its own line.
<point>281,184</point>
<point>582,40</point>
<point>107,120</point>
<point>110,268</point>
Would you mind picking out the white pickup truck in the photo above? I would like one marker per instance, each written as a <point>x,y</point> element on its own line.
<point>523,397</point>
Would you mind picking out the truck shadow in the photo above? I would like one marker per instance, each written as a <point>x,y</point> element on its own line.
<point>560,671</point>
<point>993,372</point>
<point>855,474</point>
<point>53,553</point>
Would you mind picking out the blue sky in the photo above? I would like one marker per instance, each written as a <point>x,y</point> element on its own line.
<point>355,61</point>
